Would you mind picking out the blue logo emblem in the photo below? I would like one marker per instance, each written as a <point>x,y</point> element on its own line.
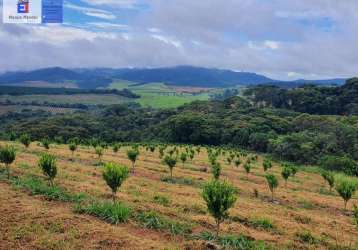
<point>23,6</point>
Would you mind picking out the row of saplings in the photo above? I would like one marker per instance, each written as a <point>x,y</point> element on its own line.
<point>219,195</point>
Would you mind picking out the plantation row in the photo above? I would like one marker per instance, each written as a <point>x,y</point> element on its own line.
<point>219,195</point>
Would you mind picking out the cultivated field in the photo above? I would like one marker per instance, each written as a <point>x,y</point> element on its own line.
<point>158,95</point>
<point>168,215</point>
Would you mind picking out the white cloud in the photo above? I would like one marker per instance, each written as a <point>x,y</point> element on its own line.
<point>94,12</point>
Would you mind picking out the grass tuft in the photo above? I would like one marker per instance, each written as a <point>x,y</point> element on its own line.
<point>114,213</point>
<point>152,220</point>
<point>37,186</point>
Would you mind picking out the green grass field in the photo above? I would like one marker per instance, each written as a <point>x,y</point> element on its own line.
<point>158,95</point>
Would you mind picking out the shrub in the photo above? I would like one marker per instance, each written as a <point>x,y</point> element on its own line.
<point>219,198</point>
<point>170,162</point>
<point>7,156</point>
<point>132,155</point>
<point>267,165</point>
<point>25,140</point>
<point>115,148</point>
<point>113,213</point>
<point>216,170</point>
<point>47,163</point>
<point>329,178</point>
<point>183,158</point>
<point>247,168</point>
<point>285,173</point>
<point>115,175</point>
<point>72,147</point>
<point>346,189</point>
<point>272,183</point>
<point>99,152</point>
<point>237,163</point>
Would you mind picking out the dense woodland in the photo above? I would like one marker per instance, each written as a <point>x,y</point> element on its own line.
<point>312,99</point>
<point>288,135</point>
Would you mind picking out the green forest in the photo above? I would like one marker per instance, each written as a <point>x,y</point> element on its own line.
<point>287,133</point>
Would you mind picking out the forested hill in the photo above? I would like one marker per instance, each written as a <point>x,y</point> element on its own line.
<point>287,135</point>
<point>341,100</point>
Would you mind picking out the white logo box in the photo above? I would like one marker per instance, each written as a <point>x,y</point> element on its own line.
<point>11,15</point>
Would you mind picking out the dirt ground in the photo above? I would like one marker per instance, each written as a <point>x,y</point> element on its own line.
<point>32,222</point>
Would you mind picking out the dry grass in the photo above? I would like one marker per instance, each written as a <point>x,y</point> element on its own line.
<point>26,221</point>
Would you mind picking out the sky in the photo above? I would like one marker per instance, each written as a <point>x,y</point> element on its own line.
<point>278,38</point>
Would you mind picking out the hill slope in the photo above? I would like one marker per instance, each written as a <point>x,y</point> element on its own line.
<point>179,76</point>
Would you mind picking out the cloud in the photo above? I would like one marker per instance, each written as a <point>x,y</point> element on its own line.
<point>94,12</point>
<point>282,39</point>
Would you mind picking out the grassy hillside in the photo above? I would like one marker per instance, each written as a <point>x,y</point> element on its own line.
<point>158,95</point>
<point>165,214</point>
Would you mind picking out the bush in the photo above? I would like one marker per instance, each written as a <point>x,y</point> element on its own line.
<point>170,162</point>
<point>307,237</point>
<point>115,175</point>
<point>272,183</point>
<point>219,198</point>
<point>47,163</point>
<point>113,213</point>
<point>72,147</point>
<point>99,152</point>
<point>132,156</point>
<point>216,170</point>
<point>329,177</point>
<point>7,156</point>
<point>267,165</point>
<point>162,200</point>
<point>285,173</point>
<point>346,188</point>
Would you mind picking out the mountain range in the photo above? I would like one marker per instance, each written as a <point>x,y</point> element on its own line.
<point>179,76</point>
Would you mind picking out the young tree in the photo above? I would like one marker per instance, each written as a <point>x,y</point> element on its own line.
<point>219,198</point>
<point>329,177</point>
<point>183,158</point>
<point>170,162</point>
<point>115,175</point>
<point>115,148</point>
<point>132,156</point>
<point>237,162</point>
<point>267,165</point>
<point>272,183</point>
<point>346,189</point>
<point>99,152</point>
<point>285,173</point>
<point>25,140</point>
<point>216,170</point>
<point>294,170</point>
<point>72,147</point>
<point>7,156</point>
<point>47,163</point>
<point>247,168</point>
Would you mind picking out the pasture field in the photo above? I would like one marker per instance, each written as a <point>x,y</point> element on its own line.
<point>86,99</point>
<point>166,214</point>
<point>158,95</point>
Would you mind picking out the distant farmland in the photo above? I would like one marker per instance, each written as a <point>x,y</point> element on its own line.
<point>158,95</point>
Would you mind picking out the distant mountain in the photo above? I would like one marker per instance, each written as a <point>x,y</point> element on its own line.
<point>180,76</point>
<point>193,77</point>
<point>55,75</point>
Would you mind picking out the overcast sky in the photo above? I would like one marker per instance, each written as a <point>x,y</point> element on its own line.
<point>283,39</point>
